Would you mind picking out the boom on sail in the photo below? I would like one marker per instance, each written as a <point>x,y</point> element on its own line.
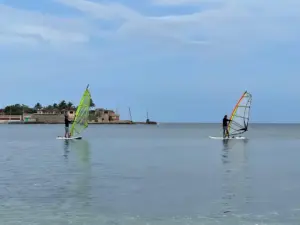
<point>82,114</point>
<point>240,115</point>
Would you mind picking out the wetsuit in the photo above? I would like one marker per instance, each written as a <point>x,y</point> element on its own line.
<point>67,122</point>
<point>225,124</point>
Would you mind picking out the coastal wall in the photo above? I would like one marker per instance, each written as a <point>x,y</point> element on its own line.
<point>48,118</point>
<point>59,118</point>
<point>98,116</point>
<point>10,117</point>
<point>28,118</point>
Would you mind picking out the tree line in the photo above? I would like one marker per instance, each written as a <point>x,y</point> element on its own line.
<point>18,109</point>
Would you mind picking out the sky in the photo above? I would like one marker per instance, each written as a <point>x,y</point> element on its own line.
<point>182,60</point>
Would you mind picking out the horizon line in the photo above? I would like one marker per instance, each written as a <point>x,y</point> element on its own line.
<point>221,123</point>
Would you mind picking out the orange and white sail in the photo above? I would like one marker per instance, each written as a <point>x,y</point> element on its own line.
<point>240,115</point>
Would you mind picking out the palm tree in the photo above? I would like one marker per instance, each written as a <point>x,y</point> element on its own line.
<point>62,105</point>
<point>49,107</point>
<point>37,106</point>
<point>92,104</point>
<point>70,105</point>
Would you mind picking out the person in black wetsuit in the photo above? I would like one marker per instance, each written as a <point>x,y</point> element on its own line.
<point>225,126</point>
<point>67,122</point>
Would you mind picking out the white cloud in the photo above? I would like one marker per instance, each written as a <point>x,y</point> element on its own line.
<point>50,34</point>
<point>104,11</point>
<point>184,2</point>
<point>132,23</point>
<point>21,26</point>
<point>13,39</point>
<point>233,22</point>
<point>275,6</point>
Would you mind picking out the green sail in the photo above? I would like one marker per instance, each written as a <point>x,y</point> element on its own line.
<point>82,114</point>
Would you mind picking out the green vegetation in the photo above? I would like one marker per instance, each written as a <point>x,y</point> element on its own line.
<point>92,104</point>
<point>19,109</point>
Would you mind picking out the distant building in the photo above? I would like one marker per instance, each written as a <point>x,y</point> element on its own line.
<point>53,115</point>
<point>5,118</point>
<point>46,115</point>
<point>9,118</point>
<point>55,111</point>
<point>48,111</point>
<point>105,115</point>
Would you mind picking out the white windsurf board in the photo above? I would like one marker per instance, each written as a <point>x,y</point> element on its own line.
<point>70,138</point>
<point>227,138</point>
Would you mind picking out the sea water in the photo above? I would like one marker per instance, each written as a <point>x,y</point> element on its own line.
<point>149,175</point>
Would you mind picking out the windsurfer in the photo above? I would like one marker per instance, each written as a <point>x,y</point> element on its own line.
<point>225,126</point>
<point>67,122</point>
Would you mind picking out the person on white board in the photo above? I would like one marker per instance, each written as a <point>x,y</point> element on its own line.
<point>225,126</point>
<point>67,122</point>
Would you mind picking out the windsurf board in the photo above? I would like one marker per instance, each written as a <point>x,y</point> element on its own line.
<point>70,138</point>
<point>227,138</point>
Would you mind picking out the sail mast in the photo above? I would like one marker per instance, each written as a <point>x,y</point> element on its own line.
<point>130,114</point>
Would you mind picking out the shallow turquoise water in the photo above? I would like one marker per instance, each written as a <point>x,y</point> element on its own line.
<point>170,174</point>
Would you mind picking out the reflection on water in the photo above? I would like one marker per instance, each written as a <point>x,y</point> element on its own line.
<point>83,184</point>
<point>234,161</point>
<point>78,153</point>
<point>66,148</point>
<point>81,148</point>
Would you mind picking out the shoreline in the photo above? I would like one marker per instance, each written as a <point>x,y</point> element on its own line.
<point>128,122</point>
<point>90,123</point>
